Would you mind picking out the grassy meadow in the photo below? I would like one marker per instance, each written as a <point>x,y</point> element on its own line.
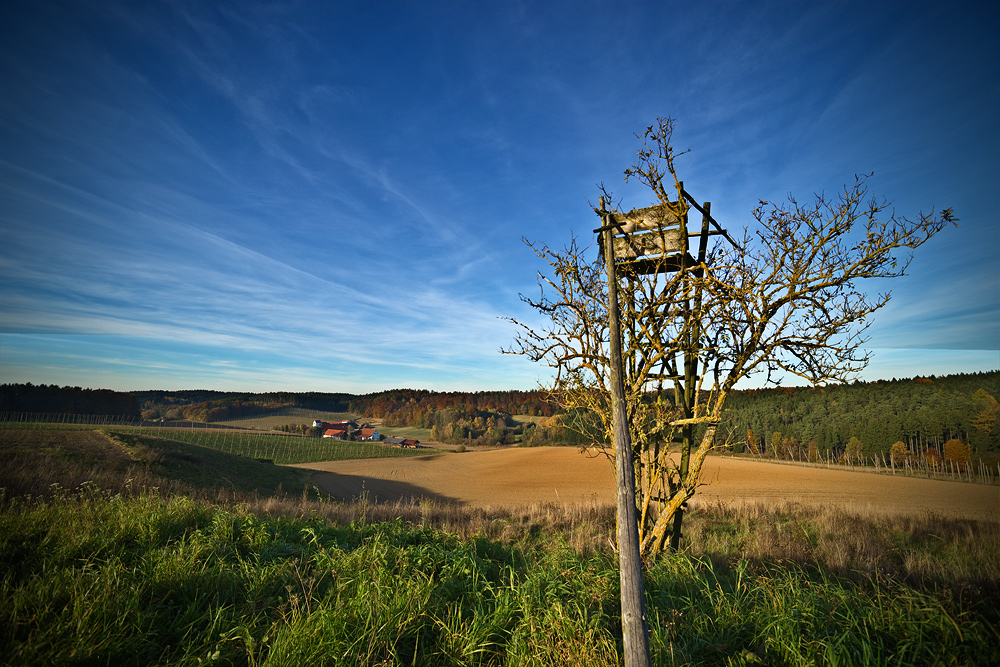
<point>422,434</point>
<point>134,548</point>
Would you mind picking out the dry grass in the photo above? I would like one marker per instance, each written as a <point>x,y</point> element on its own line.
<point>960,554</point>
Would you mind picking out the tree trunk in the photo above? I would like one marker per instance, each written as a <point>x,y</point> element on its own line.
<point>657,534</point>
<point>675,530</point>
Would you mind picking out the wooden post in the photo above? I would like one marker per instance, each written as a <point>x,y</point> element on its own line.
<point>635,631</point>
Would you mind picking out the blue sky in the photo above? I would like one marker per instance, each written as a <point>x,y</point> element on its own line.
<point>331,196</point>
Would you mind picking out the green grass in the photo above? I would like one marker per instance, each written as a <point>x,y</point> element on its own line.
<point>91,577</point>
<point>280,449</point>
<point>405,432</point>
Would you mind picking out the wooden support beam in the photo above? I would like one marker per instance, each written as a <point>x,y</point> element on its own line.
<point>704,212</point>
<point>635,628</point>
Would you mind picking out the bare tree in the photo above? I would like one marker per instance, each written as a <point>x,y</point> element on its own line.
<point>787,300</point>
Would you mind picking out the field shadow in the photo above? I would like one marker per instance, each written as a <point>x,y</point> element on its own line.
<point>351,487</point>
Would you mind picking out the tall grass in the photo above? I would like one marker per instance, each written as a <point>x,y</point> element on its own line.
<point>96,577</point>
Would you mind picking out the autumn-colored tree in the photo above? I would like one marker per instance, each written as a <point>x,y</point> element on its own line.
<point>774,446</point>
<point>787,300</point>
<point>957,451</point>
<point>790,447</point>
<point>899,453</point>
<point>932,457</point>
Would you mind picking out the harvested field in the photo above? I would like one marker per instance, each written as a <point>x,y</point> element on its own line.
<point>562,475</point>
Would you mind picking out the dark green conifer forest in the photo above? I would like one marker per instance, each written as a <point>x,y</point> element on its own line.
<point>922,413</point>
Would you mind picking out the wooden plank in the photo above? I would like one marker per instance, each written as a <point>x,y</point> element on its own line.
<point>651,217</point>
<point>659,242</point>
<point>663,264</point>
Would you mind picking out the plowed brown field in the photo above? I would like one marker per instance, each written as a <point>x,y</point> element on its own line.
<point>520,477</point>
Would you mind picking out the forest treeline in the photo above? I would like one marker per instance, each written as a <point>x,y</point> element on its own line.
<point>858,419</point>
<point>792,422</point>
<point>922,413</point>
<point>53,399</point>
<point>413,401</point>
<point>214,406</point>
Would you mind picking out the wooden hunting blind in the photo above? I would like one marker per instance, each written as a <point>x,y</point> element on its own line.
<point>650,240</point>
<point>655,239</point>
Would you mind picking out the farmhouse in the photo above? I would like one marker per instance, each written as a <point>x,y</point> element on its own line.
<point>405,443</point>
<point>345,430</point>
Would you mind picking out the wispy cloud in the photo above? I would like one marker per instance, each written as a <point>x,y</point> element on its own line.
<point>173,281</point>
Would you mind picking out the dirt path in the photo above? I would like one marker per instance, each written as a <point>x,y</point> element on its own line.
<point>518,477</point>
